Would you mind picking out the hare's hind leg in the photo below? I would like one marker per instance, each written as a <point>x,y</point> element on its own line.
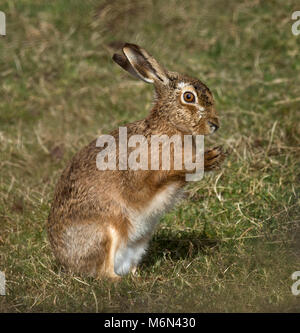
<point>86,248</point>
<point>92,248</point>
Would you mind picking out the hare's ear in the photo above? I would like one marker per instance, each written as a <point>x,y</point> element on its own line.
<point>141,64</point>
<point>122,61</point>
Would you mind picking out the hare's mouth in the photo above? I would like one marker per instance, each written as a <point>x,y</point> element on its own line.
<point>213,127</point>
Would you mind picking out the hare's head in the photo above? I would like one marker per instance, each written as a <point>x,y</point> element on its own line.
<point>184,101</point>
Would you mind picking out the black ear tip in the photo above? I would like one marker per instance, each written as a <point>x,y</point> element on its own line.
<point>119,59</point>
<point>115,57</point>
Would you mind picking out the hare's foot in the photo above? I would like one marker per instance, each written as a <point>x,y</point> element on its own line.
<point>133,270</point>
<point>213,158</point>
<point>128,257</point>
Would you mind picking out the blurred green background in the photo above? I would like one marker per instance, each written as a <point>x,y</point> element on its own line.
<point>233,244</point>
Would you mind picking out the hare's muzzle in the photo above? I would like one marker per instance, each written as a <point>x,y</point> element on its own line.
<point>213,124</point>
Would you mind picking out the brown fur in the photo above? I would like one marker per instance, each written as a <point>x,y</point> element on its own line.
<point>89,219</point>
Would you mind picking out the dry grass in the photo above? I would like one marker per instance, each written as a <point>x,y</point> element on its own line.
<point>233,244</point>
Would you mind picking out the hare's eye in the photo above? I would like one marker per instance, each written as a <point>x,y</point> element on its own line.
<point>189,97</point>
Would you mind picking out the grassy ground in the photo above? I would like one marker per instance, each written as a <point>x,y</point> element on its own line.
<point>234,243</point>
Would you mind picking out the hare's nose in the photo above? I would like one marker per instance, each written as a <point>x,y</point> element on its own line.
<point>213,125</point>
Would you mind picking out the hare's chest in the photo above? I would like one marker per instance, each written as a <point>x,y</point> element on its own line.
<point>145,220</point>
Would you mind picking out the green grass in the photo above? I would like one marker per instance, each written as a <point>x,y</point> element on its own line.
<point>233,244</point>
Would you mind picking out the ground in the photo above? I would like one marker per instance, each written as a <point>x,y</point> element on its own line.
<point>233,243</point>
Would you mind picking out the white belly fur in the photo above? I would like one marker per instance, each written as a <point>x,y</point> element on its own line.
<point>144,223</point>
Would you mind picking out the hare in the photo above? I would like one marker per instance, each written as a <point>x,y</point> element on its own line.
<point>101,221</point>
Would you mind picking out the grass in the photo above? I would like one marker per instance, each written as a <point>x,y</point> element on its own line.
<point>233,244</point>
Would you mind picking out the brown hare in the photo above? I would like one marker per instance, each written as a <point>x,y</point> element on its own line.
<point>101,221</point>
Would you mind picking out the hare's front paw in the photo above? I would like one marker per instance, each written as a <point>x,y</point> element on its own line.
<point>213,158</point>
